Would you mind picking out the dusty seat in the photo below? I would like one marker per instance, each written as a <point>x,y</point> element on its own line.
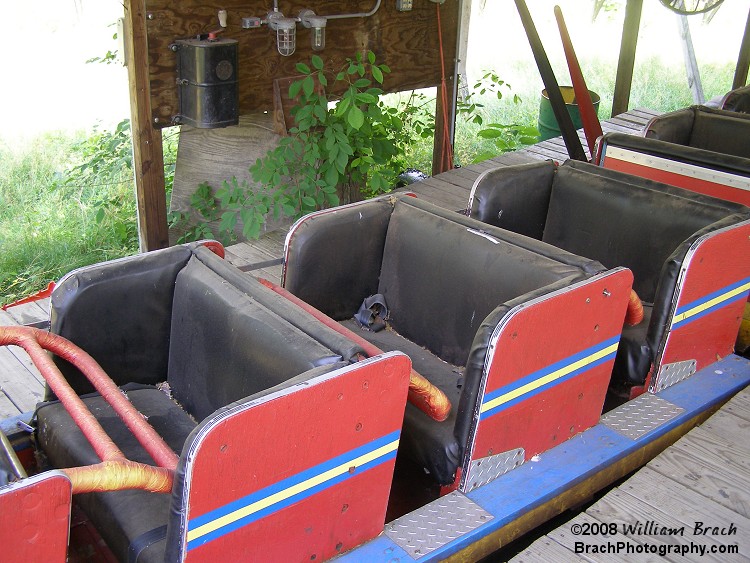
<point>619,220</point>
<point>451,284</point>
<point>737,100</point>
<point>225,346</point>
<point>700,127</point>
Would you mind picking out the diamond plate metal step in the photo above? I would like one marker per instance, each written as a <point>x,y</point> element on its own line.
<point>436,524</point>
<point>640,416</point>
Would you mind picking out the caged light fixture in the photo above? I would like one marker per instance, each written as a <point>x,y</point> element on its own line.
<point>286,28</point>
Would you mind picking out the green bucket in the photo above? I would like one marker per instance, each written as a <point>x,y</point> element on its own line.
<point>548,126</point>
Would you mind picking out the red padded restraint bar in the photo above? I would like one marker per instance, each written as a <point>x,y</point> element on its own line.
<point>115,472</point>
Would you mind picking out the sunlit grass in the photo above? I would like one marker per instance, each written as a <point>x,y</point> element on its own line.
<point>49,227</point>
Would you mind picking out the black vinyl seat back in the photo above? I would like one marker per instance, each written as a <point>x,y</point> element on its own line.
<point>441,277</point>
<point>737,100</point>
<point>705,128</point>
<point>620,220</point>
<point>226,346</point>
<point>120,312</point>
<point>613,218</point>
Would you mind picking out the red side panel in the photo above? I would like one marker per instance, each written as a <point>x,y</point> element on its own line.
<point>302,474</point>
<point>712,291</point>
<point>35,519</point>
<point>691,177</point>
<point>550,367</point>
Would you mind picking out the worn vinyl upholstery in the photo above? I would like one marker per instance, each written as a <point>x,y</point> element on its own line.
<point>618,220</point>
<point>229,338</point>
<point>448,280</point>
<point>704,128</point>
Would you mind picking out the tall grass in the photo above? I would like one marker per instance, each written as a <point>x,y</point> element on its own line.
<point>49,226</point>
<point>655,86</point>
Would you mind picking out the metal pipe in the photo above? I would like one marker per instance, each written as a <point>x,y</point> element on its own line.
<point>10,453</point>
<point>36,341</point>
<point>358,15</point>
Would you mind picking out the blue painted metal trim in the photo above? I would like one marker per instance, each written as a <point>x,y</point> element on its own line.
<point>571,463</point>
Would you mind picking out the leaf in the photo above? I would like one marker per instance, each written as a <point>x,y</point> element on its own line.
<point>308,201</point>
<point>317,62</point>
<point>377,74</point>
<point>489,133</point>
<point>483,156</point>
<point>332,176</point>
<point>385,68</point>
<point>362,83</point>
<point>322,79</point>
<point>343,105</point>
<point>341,161</point>
<point>303,68</point>
<point>366,98</point>
<point>294,89</point>
<point>371,57</point>
<point>228,221</point>
<point>308,85</point>
<point>356,118</point>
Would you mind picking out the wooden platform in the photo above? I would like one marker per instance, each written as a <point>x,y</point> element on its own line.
<point>701,483</point>
<point>449,190</point>
<point>21,384</point>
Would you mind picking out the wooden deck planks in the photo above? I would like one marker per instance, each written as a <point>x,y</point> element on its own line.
<point>704,477</point>
<point>21,384</point>
<point>683,503</point>
<point>547,550</point>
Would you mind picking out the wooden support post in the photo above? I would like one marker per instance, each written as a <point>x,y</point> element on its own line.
<point>688,53</point>
<point>148,158</point>
<point>442,137</point>
<point>464,20</point>
<point>626,62</point>
<point>743,59</point>
<point>438,164</point>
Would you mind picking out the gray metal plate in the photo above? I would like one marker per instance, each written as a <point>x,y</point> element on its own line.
<point>436,524</point>
<point>487,469</point>
<point>640,416</point>
<point>669,374</point>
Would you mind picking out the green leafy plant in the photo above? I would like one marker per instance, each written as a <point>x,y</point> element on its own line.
<point>345,144</point>
<point>504,137</point>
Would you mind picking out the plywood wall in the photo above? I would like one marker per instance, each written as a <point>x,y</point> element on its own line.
<point>406,41</point>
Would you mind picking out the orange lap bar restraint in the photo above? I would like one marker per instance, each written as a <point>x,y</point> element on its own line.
<point>422,394</point>
<point>115,472</point>
<point>634,314</point>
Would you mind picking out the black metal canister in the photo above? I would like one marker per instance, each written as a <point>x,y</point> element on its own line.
<point>207,82</point>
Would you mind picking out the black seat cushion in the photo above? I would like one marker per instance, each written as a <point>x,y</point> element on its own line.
<point>431,444</point>
<point>121,516</point>
<point>624,221</point>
